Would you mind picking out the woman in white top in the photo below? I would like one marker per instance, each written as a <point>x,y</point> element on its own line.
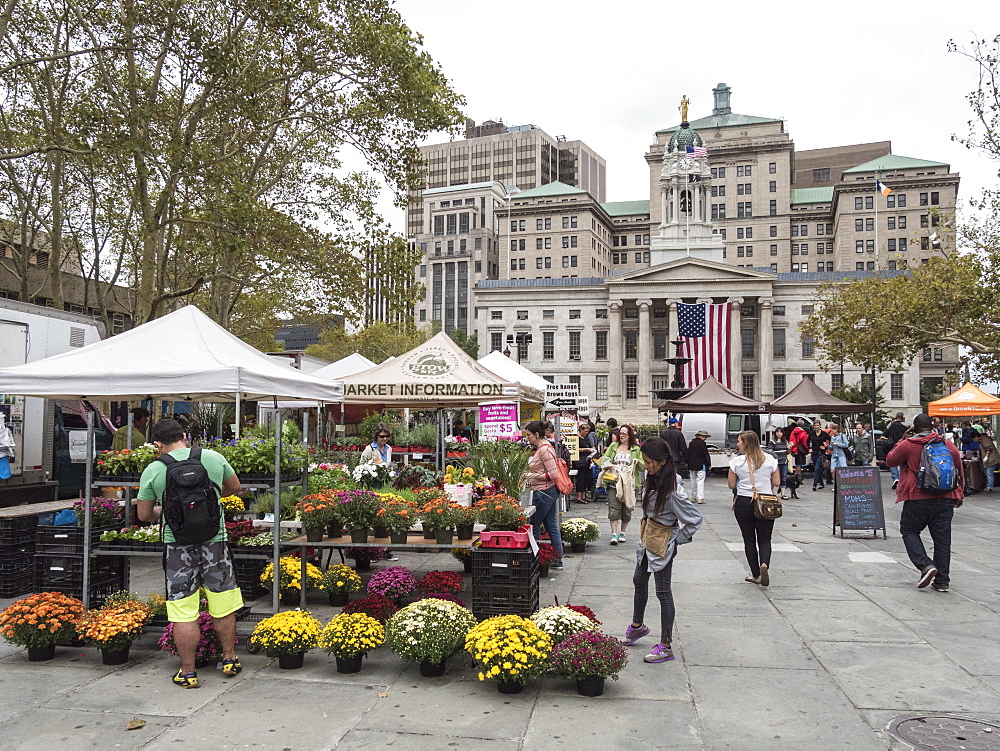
<point>378,451</point>
<point>765,476</point>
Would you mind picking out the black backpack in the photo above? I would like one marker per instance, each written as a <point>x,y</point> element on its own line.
<point>191,505</point>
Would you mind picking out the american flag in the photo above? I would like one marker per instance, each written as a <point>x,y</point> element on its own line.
<point>697,151</point>
<point>705,331</point>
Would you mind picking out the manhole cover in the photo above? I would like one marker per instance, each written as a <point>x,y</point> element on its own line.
<point>947,733</point>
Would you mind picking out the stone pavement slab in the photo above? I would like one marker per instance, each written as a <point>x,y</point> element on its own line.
<point>843,621</point>
<point>45,728</point>
<point>750,641</point>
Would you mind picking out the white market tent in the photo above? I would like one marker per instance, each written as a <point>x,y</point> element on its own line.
<point>435,374</point>
<point>511,370</point>
<point>345,366</point>
<point>182,356</point>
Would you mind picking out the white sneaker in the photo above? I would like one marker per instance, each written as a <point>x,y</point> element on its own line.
<point>621,537</point>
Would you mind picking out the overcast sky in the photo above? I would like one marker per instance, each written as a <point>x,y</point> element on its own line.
<point>613,73</point>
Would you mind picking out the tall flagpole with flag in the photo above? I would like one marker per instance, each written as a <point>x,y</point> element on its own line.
<point>882,188</point>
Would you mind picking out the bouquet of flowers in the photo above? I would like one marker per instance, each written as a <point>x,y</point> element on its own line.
<point>509,648</point>
<point>316,511</point>
<point>560,622</point>
<point>393,582</point>
<point>116,625</point>
<point>41,619</point>
<point>465,515</point>
<point>352,634</point>
<point>104,512</point>
<point>373,475</point>
<point>396,513</point>
<point>369,555</point>
<point>547,555</point>
<point>291,632</point>
<point>340,579</point>
<point>584,610</point>
<point>209,647</point>
<point>290,576</point>
<point>358,509</point>
<point>232,505</point>
<point>440,581</point>
<point>430,630</point>
<point>440,513</point>
<point>378,607</point>
<point>137,534</point>
<point>579,529</point>
<point>588,654</point>
<point>501,512</point>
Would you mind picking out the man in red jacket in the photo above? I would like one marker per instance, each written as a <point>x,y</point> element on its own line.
<point>924,508</point>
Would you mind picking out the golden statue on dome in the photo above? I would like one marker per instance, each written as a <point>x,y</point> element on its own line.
<point>684,108</point>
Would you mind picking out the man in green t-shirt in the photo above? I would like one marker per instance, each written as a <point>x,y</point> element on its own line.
<point>189,567</point>
<point>140,419</point>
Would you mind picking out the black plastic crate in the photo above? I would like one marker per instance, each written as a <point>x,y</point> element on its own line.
<point>68,569</point>
<point>66,538</point>
<point>17,584</point>
<point>511,602</point>
<point>100,589</point>
<point>16,564</point>
<point>248,570</point>
<point>17,530</point>
<point>7,552</point>
<point>504,567</point>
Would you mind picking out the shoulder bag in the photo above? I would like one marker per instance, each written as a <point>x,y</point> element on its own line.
<point>765,505</point>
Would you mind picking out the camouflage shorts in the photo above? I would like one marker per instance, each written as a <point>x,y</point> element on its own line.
<point>189,566</point>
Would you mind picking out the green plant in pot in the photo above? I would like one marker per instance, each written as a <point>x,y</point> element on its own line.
<point>578,532</point>
<point>316,512</point>
<point>397,514</point>
<point>589,657</point>
<point>502,460</point>
<point>358,509</point>
<point>441,515</point>
<point>500,513</point>
<point>340,582</point>
<point>429,632</point>
<point>349,637</point>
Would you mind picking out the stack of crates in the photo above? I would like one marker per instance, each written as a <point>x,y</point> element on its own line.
<point>249,565</point>
<point>59,564</point>
<point>504,582</point>
<point>17,554</point>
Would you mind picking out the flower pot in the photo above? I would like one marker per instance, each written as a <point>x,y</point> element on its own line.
<point>380,533</point>
<point>335,531</point>
<point>359,535</point>
<point>578,547</point>
<point>510,687</point>
<point>314,534</point>
<point>430,669</point>
<point>41,654</point>
<point>592,685</point>
<point>289,598</point>
<point>362,565</point>
<point>349,664</point>
<point>444,536</point>
<point>291,661</point>
<point>398,537</point>
<point>339,599</point>
<point>456,454</point>
<point>467,565</point>
<point>465,531</point>
<point>114,656</point>
<point>428,534</point>
<point>543,571</point>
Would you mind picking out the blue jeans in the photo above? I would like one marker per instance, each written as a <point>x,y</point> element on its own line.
<point>818,461</point>
<point>989,477</point>
<point>783,472</point>
<point>894,471</point>
<point>546,503</point>
<point>935,515</point>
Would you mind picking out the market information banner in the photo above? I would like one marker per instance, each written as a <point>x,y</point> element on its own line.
<point>858,500</point>
<point>499,420</point>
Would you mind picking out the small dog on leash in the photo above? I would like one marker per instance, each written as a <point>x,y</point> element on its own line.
<point>793,480</point>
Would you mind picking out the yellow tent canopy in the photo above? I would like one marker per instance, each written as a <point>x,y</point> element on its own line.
<point>968,401</point>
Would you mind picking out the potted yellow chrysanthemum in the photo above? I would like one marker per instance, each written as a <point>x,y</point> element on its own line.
<point>287,636</point>
<point>510,649</point>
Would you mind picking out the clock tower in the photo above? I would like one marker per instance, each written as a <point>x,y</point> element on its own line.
<point>685,183</point>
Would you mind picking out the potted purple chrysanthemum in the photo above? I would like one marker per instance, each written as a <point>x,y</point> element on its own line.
<point>590,657</point>
<point>358,509</point>
<point>394,583</point>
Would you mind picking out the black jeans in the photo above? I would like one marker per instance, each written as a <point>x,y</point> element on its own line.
<point>934,514</point>
<point>756,534</point>
<point>662,581</point>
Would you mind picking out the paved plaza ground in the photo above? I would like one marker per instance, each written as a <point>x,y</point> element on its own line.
<point>840,645</point>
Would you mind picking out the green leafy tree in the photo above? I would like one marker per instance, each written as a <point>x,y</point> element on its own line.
<point>377,342</point>
<point>468,342</point>
<point>860,393</point>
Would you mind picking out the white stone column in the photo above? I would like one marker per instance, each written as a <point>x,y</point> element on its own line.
<point>765,359</point>
<point>676,202</point>
<point>695,189</point>
<point>671,325</point>
<point>615,357</point>
<point>663,206</point>
<point>645,353</point>
<point>735,346</point>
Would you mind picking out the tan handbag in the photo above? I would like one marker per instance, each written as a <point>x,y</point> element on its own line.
<point>765,505</point>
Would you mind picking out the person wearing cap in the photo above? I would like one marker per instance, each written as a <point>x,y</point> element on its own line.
<point>675,441</point>
<point>699,462</point>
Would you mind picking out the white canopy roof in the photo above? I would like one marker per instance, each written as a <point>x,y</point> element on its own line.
<point>183,356</point>
<point>345,366</point>
<point>511,370</point>
<point>437,373</point>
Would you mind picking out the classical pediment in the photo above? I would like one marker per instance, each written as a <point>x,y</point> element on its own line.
<point>692,270</point>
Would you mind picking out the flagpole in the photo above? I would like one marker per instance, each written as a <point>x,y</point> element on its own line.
<point>877,194</point>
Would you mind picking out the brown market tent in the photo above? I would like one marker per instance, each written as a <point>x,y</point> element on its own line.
<point>712,396</point>
<point>807,398</point>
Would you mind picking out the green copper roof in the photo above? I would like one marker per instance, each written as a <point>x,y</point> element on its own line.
<point>683,138</point>
<point>550,189</point>
<point>891,162</point>
<point>812,195</point>
<point>723,121</point>
<point>626,208</point>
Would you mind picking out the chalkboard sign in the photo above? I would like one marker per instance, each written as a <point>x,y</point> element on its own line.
<point>858,500</point>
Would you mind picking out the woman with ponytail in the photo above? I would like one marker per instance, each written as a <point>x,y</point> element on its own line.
<point>669,519</point>
<point>752,470</point>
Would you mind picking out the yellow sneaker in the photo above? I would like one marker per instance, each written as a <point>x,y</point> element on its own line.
<point>231,667</point>
<point>186,680</point>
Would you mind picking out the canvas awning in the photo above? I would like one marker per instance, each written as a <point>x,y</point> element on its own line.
<point>345,366</point>
<point>511,370</point>
<point>807,397</point>
<point>183,356</point>
<point>437,373</point>
<point>968,401</point>
<point>712,396</point>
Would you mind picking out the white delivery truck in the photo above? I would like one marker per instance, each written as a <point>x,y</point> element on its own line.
<point>725,428</point>
<point>41,469</point>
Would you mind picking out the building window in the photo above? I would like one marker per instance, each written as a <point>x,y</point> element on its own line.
<point>938,355</point>
<point>522,315</point>
<point>901,200</point>
<point>496,315</point>
<point>774,250</point>
<point>778,342</point>
<point>574,345</point>
<point>808,347</point>
<point>601,345</point>
<point>747,340</point>
<point>896,386</point>
<point>574,313</point>
<point>772,230</point>
<point>927,355</point>
<point>836,381</point>
<point>548,345</point>
<point>869,202</point>
<point>601,313</point>
<point>496,341</point>
<point>601,388</point>
<point>772,208</point>
<point>631,312</point>
<point>772,168</point>
<point>748,385</point>
<point>779,385</point>
<point>631,387</point>
<point>631,344</point>
<point>821,175</point>
<point>423,315</point>
<point>548,314</point>
<point>659,344</point>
